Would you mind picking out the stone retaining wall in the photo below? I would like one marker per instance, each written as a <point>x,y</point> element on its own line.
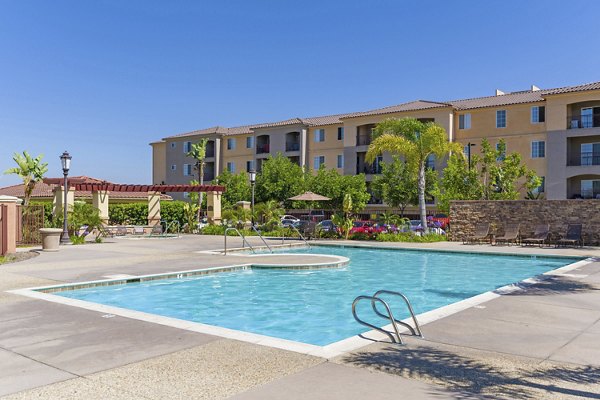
<point>464,215</point>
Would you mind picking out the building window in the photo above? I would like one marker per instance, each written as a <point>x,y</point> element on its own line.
<point>542,187</point>
<point>187,169</point>
<point>173,145</point>
<point>590,189</point>
<point>231,144</point>
<point>319,135</point>
<point>502,155</point>
<point>340,161</point>
<point>590,154</point>
<point>173,167</point>
<point>187,147</point>
<point>430,162</point>
<point>186,195</point>
<point>250,142</point>
<point>231,167</point>
<point>501,119</point>
<point>538,149</point>
<point>464,121</point>
<point>318,161</point>
<point>341,133</point>
<point>249,165</point>
<point>538,114</point>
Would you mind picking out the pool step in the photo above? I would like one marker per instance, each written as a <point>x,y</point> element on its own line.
<point>416,331</point>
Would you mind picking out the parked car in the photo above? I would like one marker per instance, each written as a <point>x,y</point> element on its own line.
<point>316,215</point>
<point>326,226</point>
<point>442,219</point>
<point>366,227</point>
<point>289,218</point>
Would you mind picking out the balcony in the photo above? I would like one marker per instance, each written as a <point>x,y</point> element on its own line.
<point>583,121</point>
<point>263,144</point>
<point>210,149</point>
<point>585,158</point>
<point>369,169</point>
<point>262,149</point>
<point>363,140</point>
<point>293,146</point>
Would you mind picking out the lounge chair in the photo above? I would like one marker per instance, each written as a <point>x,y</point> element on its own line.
<point>540,236</point>
<point>138,230</point>
<point>482,232</point>
<point>121,231</point>
<point>157,230</point>
<point>573,236</point>
<point>511,234</point>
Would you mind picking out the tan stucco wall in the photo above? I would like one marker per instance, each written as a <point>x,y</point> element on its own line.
<point>557,107</point>
<point>159,162</point>
<point>330,148</point>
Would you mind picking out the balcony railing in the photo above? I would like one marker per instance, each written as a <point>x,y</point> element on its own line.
<point>583,121</point>
<point>586,158</point>
<point>363,140</point>
<point>210,152</point>
<point>368,169</point>
<point>292,147</point>
<point>262,148</point>
<point>209,176</point>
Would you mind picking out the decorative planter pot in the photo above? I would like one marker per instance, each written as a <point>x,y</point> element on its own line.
<point>50,238</point>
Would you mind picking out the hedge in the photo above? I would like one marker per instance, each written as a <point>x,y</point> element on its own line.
<point>137,213</point>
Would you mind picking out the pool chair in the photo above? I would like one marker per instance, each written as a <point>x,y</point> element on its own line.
<point>121,231</point>
<point>482,233</point>
<point>540,236</point>
<point>511,234</point>
<point>573,236</point>
<point>138,230</point>
<point>105,231</point>
<point>157,230</point>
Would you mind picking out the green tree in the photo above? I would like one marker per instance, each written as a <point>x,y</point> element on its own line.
<point>398,182</point>
<point>237,188</point>
<point>458,182</point>
<point>279,180</point>
<point>416,141</point>
<point>330,183</point>
<point>269,214</point>
<point>503,175</point>
<point>198,153</point>
<point>31,170</point>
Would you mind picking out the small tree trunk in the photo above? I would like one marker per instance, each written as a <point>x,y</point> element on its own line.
<point>422,205</point>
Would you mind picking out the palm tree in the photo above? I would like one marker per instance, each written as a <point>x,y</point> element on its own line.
<point>416,141</point>
<point>31,170</point>
<point>198,153</point>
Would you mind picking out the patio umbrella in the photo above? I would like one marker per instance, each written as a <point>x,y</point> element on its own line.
<point>309,196</point>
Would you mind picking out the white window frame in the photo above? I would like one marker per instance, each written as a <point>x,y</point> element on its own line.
<point>503,119</point>
<point>173,145</point>
<point>187,170</point>
<point>535,148</point>
<point>535,115</point>
<point>319,135</point>
<point>466,121</point>
<point>231,143</point>
<point>231,166</point>
<point>340,161</point>
<point>341,133</point>
<point>186,195</point>
<point>250,167</point>
<point>187,146</point>
<point>502,156</point>
<point>173,167</point>
<point>318,161</point>
<point>250,142</point>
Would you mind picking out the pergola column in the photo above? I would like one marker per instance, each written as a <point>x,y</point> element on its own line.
<point>100,201</point>
<point>213,207</point>
<point>57,202</point>
<point>153,208</point>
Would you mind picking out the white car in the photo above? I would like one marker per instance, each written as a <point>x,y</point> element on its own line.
<point>290,218</point>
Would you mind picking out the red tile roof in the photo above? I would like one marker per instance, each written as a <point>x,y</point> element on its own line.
<point>44,191</point>
<point>410,106</point>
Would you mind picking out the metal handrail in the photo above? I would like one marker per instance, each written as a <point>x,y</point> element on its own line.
<point>417,329</point>
<point>167,226</point>
<point>262,238</point>
<point>243,240</point>
<point>299,234</point>
<point>391,318</point>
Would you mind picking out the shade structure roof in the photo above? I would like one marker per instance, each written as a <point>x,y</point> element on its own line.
<point>309,196</point>
<point>80,184</point>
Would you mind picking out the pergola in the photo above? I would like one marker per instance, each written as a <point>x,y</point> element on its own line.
<point>101,190</point>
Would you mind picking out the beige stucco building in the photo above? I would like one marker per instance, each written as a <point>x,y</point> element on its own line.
<point>556,131</point>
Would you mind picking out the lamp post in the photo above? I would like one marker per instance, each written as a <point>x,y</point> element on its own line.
<point>65,160</point>
<point>252,183</point>
<point>469,155</point>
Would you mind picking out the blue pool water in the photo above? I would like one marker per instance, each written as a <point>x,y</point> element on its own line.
<point>314,306</point>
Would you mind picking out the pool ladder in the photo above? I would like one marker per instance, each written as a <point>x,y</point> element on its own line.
<point>375,299</point>
<point>244,240</point>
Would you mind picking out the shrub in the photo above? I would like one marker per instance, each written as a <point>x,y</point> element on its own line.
<point>410,237</point>
<point>137,213</point>
<point>361,236</point>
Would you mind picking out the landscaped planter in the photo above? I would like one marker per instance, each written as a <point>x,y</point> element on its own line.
<point>50,238</point>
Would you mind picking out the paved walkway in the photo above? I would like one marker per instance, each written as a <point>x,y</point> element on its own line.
<point>537,343</point>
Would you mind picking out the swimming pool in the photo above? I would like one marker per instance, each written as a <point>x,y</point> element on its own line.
<point>314,306</point>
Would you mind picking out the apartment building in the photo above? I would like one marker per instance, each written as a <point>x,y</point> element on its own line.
<point>556,131</point>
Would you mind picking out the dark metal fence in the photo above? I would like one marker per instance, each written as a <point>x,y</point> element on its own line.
<point>30,220</point>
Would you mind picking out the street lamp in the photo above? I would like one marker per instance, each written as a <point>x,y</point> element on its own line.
<point>65,160</point>
<point>470,145</point>
<point>252,182</point>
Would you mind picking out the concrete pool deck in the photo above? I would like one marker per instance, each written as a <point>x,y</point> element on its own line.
<point>538,343</point>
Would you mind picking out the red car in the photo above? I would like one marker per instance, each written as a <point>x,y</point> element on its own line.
<point>442,219</point>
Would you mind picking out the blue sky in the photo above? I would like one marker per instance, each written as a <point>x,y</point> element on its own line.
<point>102,79</point>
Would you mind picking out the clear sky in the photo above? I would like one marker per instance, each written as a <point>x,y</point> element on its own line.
<point>104,78</point>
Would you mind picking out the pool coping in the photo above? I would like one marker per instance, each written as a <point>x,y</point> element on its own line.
<point>328,351</point>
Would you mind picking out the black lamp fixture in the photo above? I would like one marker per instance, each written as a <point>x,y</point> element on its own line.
<point>469,145</point>
<point>252,173</point>
<point>65,161</point>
